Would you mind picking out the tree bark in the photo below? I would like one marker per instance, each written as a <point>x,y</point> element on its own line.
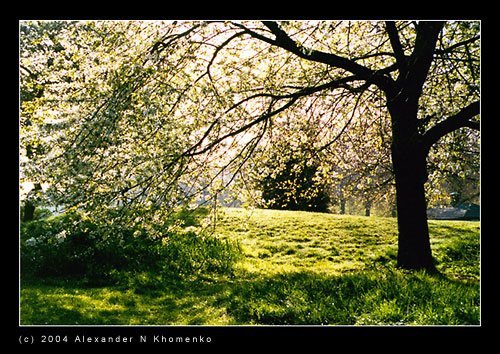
<point>414,249</point>
<point>342,206</point>
<point>29,204</point>
<point>409,159</point>
<point>28,211</point>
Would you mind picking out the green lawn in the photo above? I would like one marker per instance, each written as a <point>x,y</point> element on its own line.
<point>298,268</point>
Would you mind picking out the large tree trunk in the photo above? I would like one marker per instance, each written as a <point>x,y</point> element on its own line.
<point>414,249</point>
<point>410,170</point>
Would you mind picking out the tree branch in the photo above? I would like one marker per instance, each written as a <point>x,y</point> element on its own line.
<point>344,128</point>
<point>219,48</point>
<point>284,41</point>
<point>421,58</point>
<point>304,91</point>
<point>163,43</point>
<point>293,97</point>
<point>396,45</point>
<point>460,120</point>
<point>456,45</point>
<point>33,76</point>
<point>191,151</point>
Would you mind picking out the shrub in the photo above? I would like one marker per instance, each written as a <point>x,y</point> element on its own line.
<point>75,246</point>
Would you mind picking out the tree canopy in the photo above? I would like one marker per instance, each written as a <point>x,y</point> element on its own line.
<point>140,115</point>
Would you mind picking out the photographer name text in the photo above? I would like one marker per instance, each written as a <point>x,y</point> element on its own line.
<point>29,339</point>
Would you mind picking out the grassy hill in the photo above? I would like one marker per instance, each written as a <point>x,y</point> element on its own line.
<point>290,241</point>
<point>297,268</point>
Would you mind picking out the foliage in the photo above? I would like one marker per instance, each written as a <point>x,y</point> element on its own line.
<point>72,245</point>
<point>90,112</point>
<point>137,119</point>
<point>147,114</point>
<point>293,182</point>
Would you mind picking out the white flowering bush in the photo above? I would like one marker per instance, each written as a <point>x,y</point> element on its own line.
<point>61,246</point>
<point>75,246</point>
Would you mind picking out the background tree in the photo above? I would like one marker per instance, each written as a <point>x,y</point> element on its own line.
<point>454,166</point>
<point>291,180</point>
<point>181,100</point>
<point>361,160</point>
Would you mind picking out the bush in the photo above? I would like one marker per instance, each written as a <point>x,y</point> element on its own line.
<point>67,245</point>
<point>73,246</point>
<point>294,185</point>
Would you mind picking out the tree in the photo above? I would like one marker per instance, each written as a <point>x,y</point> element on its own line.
<point>454,165</point>
<point>92,79</point>
<point>414,59</point>
<point>290,180</point>
<point>171,103</point>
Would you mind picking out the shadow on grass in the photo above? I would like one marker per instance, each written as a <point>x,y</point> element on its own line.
<point>365,298</point>
<point>148,303</point>
<point>378,297</point>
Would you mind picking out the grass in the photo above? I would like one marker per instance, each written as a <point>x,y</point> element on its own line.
<point>298,268</point>
<point>192,302</point>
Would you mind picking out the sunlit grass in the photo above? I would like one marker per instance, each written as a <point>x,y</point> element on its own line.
<point>188,303</point>
<point>298,268</point>
<point>277,241</point>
